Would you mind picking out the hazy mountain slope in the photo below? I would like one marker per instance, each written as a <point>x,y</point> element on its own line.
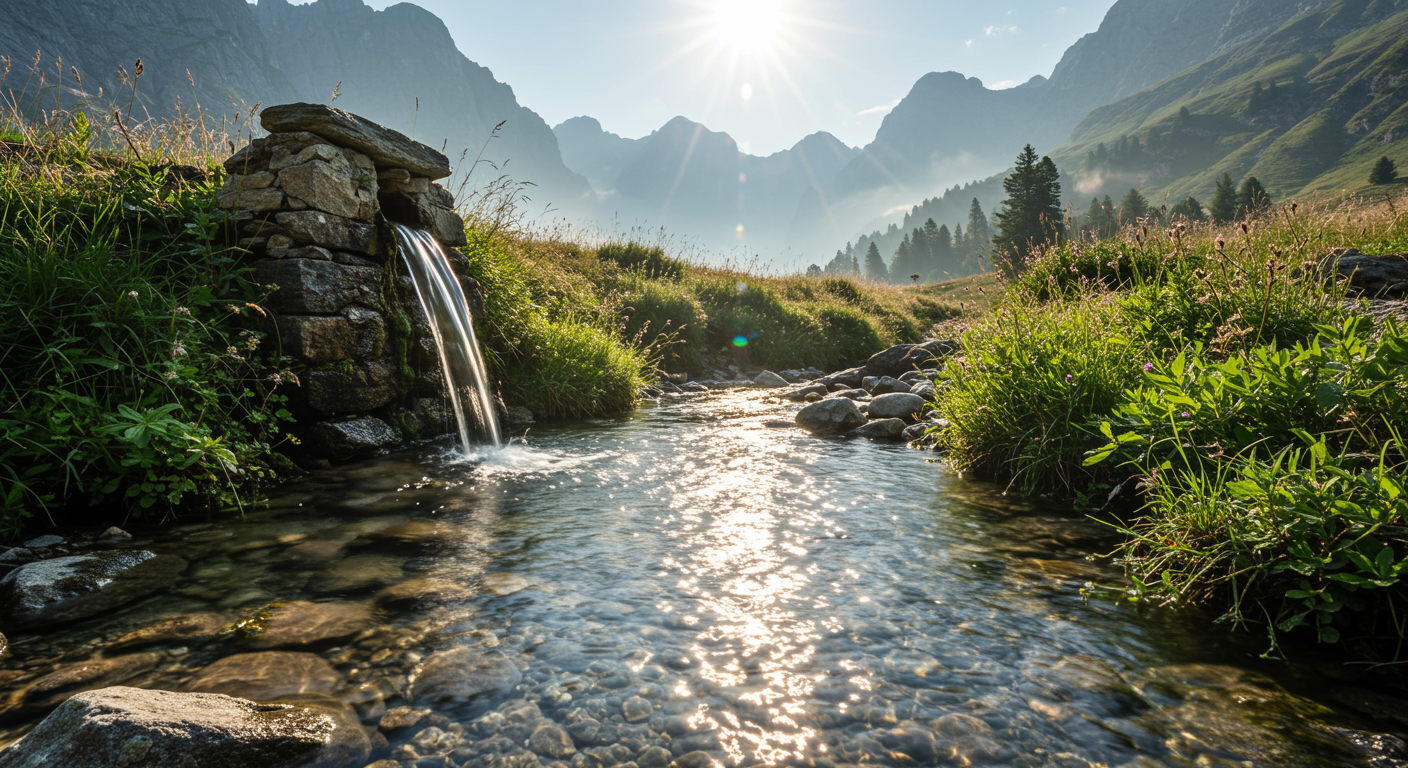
<point>400,67</point>
<point>590,150</point>
<point>697,183</point>
<point>218,41</point>
<point>1338,104</point>
<point>950,129</point>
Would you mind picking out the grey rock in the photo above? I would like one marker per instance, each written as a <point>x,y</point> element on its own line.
<point>66,589</point>
<point>869,383</point>
<point>889,385</point>
<point>366,386</point>
<point>354,438</point>
<point>695,759</point>
<point>914,376</point>
<point>18,556</point>
<point>161,729</point>
<point>319,340</point>
<point>924,389</point>
<point>653,757</point>
<point>882,429</point>
<point>1364,275</point>
<point>850,394</point>
<point>252,200</point>
<point>268,675</point>
<point>316,287</point>
<point>584,730</point>
<point>850,378</point>
<point>829,416</point>
<point>358,573</point>
<point>769,380</point>
<point>902,358</point>
<point>695,387</point>
<point>553,741</point>
<point>398,718</point>
<point>386,148</point>
<point>914,432</point>
<point>518,417</point>
<point>326,187</point>
<point>329,231</point>
<point>899,405</point>
<point>420,204</point>
<point>461,674</point>
<point>44,542</point>
<point>114,535</point>
<point>957,724</point>
<point>801,393</point>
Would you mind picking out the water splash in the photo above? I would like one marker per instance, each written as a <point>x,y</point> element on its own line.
<point>466,379</point>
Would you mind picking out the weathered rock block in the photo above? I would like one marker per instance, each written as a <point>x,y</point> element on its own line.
<point>386,147</point>
<point>837,415</point>
<point>329,231</point>
<point>354,438</point>
<point>313,287</point>
<point>319,340</point>
<point>359,388</point>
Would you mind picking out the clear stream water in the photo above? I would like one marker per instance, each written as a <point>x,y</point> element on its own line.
<point>685,579</point>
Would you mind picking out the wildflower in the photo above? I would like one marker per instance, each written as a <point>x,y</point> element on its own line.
<point>170,375</point>
<point>183,311</point>
<point>1220,242</point>
<point>232,351</point>
<point>1148,367</point>
<point>251,343</point>
<point>234,308</point>
<point>275,379</point>
<point>1070,378</point>
<point>1184,414</point>
<point>133,294</point>
<point>178,349</point>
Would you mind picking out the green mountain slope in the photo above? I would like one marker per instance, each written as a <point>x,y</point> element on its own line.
<point>1307,108</point>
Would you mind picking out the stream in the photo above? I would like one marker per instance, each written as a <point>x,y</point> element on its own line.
<point>685,581</point>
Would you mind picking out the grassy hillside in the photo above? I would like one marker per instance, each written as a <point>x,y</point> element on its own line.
<point>1307,109</point>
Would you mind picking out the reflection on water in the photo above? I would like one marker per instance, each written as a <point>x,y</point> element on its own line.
<point>684,585</point>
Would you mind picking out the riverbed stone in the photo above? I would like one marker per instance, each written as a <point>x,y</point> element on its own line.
<point>769,380</point>
<point>114,535</point>
<point>553,741</point>
<point>52,689</point>
<point>882,429</point>
<point>301,623</point>
<point>850,378</point>
<point>417,592</point>
<point>889,385</point>
<point>636,709</point>
<point>358,573</point>
<point>354,438</point>
<point>897,405</point>
<point>859,394</point>
<point>268,675</point>
<point>924,389</point>
<point>387,148</point>
<point>830,416</point>
<point>462,674</point>
<point>902,358</point>
<point>65,589</point>
<point>801,393</point>
<point>184,628</point>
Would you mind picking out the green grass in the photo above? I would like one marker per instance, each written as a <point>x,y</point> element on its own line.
<point>1214,362</point>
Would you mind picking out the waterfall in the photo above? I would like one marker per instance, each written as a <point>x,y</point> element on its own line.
<point>466,378</point>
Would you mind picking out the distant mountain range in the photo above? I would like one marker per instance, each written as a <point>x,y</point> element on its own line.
<point>696,181</point>
<point>399,67</point>
<point>1165,96</point>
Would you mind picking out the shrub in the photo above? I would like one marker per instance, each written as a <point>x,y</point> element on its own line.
<point>665,315</point>
<point>651,260</point>
<point>568,369</point>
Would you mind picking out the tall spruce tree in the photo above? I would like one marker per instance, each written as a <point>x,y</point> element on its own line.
<point>1385,171</point>
<point>1031,215</point>
<point>1189,209</point>
<point>1134,206</point>
<point>1252,198</point>
<point>1224,200</point>
<point>875,268</point>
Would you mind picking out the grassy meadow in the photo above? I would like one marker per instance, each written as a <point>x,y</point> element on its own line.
<point>1255,414</point>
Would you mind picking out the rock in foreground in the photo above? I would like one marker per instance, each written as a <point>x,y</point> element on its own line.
<point>461,674</point>
<point>830,416</point>
<point>900,405</point>
<point>160,729</point>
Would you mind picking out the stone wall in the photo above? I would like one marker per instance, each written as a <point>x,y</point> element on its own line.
<point>313,204</point>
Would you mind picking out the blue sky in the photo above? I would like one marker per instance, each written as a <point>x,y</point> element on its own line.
<point>768,72</point>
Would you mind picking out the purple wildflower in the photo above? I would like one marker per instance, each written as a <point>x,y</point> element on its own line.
<point>1148,367</point>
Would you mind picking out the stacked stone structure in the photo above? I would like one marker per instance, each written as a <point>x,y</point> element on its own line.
<point>313,204</point>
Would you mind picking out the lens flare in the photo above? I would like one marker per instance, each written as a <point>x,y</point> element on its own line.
<point>740,341</point>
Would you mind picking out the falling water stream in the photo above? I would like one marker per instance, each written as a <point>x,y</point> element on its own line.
<point>466,379</point>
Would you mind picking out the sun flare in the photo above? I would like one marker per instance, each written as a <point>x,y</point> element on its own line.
<point>749,26</point>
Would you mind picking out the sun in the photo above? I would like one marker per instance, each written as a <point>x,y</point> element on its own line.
<point>749,26</point>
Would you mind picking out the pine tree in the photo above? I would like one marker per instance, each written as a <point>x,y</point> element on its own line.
<point>1031,214</point>
<point>1385,171</point>
<point>1252,198</point>
<point>1188,209</point>
<point>813,271</point>
<point>902,262</point>
<point>1133,207</point>
<point>1224,201</point>
<point>875,265</point>
<point>942,260</point>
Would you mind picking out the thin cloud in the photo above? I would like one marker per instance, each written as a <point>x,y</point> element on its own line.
<point>883,109</point>
<point>994,31</point>
<point>968,43</point>
<point>1002,85</point>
